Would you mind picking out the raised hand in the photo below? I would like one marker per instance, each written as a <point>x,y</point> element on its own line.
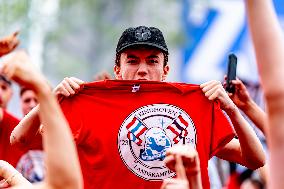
<point>241,95</point>
<point>184,160</point>
<point>19,68</point>
<point>8,43</point>
<point>180,182</point>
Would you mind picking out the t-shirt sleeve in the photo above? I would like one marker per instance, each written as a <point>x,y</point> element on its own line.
<point>222,128</point>
<point>8,123</point>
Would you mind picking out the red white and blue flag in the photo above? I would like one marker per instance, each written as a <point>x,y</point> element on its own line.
<point>178,127</point>
<point>135,129</point>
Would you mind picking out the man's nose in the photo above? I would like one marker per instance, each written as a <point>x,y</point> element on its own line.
<point>142,70</point>
<point>33,103</point>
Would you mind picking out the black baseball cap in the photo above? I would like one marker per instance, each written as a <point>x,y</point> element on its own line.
<point>142,35</point>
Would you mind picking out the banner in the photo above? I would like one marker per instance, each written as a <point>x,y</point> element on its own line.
<point>213,30</point>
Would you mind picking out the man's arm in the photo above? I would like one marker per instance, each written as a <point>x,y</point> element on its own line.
<point>63,167</point>
<point>28,128</point>
<point>268,43</point>
<point>247,150</point>
<point>244,102</point>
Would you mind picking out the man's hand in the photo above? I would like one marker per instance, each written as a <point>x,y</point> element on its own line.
<point>214,90</point>
<point>69,86</point>
<point>8,43</point>
<point>184,160</point>
<point>189,157</point>
<point>19,68</point>
<point>180,182</point>
<point>241,96</point>
<point>11,176</point>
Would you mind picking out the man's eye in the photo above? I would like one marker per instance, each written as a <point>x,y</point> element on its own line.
<point>27,100</point>
<point>153,61</point>
<point>132,61</point>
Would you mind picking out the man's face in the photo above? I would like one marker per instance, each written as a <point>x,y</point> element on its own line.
<point>28,101</point>
<point>141,64</point>
<point>5,94</point>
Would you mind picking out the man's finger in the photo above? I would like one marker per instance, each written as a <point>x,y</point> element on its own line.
<point>78,81</point>
<point>16,33</point>
<point>73,84</point>
<point>67,86</point>
<point>180,169</point>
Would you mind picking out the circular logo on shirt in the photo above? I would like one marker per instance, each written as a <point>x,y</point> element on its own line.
<point>147,133</point>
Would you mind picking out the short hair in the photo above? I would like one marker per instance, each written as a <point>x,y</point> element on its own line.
<point>24,89</point>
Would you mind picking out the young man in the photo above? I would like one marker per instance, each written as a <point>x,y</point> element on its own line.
<point>7,121</point>
<point>31,164</point>
<point>141,58</point>
<point>7,124</point>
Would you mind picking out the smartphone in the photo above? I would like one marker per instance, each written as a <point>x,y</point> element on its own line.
<point>231,73</point>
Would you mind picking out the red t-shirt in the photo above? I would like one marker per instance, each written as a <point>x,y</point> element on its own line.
<point>7,152</point>
<point>123,128</point>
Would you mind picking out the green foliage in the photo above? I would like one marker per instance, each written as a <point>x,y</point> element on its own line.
<point>83,38</point>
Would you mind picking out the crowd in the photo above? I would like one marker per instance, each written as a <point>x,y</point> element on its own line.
<point>138,131</point>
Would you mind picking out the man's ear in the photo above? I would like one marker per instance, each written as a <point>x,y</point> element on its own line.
<point>117,72</point>
<point>166,72</point>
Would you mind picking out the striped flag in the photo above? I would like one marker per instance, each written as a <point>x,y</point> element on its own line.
<point>178,127</point>
<point>135,129</point>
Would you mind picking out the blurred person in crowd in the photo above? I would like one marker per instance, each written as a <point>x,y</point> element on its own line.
<point>28,100</point>
<point>6,91</point>
<point>142,54</point>
<point>62,163</point>
<point>28,162</point>
<point>7,120</point>
<point>31,164</point>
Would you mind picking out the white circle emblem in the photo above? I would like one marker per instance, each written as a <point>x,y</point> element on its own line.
<point>147,133</point>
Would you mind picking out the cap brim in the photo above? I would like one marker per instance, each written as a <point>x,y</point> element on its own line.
<point>144,43</point>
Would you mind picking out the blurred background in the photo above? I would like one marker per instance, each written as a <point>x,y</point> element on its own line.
<point>78,38</point>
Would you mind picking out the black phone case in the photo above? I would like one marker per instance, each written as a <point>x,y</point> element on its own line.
<point>231,73</point>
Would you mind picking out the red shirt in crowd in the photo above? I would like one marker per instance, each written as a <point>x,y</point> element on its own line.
<point>7,152</point>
